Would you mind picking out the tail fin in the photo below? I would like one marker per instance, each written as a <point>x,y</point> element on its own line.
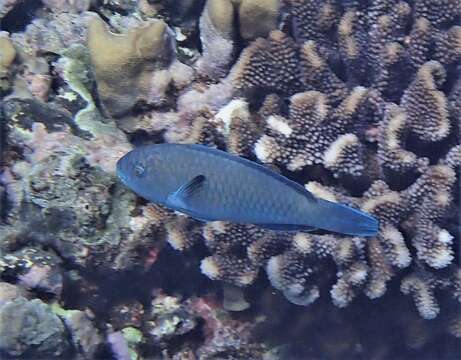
<point>343,219</point>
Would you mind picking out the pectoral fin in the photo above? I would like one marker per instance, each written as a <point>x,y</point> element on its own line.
<point>179,198</point>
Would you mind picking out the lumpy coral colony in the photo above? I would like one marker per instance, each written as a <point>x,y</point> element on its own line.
<point>360,101</point>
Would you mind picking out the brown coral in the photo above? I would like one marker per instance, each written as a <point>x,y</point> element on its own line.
<point>131,67</point>
<point>426,106</point>
<point>327,141</point>
<point>268,64</point>
<point>7,55</point>
<point>361,122</point>
<point>391,151</point>
<point>420,287</point>
<point>8,52</point>
<point>266,11</point>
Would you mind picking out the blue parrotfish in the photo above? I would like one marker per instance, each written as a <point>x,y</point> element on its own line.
<point>212,185</point>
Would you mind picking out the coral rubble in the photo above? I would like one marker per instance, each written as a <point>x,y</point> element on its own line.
<point>359,101</point>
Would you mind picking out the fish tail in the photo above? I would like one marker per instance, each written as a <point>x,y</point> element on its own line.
<point>344,219</point>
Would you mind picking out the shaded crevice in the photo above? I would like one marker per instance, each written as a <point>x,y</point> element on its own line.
<point>20,16</point>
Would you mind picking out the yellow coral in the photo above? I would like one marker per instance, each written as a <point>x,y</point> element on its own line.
<point>265,11</point>
<point>7,53</point>
<point>220,13</point>
<point>124,64</point>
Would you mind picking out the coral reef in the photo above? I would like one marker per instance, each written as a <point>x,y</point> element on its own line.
<point>167,319</point>
<point>266,11</point>
<point>34,269</point>
<point>218,35</point>
<point>225,337</point>
<point>334,124</point>
<point>358,101</point>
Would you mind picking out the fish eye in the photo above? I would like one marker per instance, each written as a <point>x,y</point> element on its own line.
<point>139,169</point>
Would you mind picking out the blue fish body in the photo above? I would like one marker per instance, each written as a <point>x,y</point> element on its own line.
<point>211,185</point>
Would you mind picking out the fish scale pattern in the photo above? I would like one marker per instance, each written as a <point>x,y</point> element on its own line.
<point>233,189</point>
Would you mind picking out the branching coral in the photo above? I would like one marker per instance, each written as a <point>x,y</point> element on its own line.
<point>367,115</point>
<point>327,141</point>
<point>391,152</point>
<point>425,105</point>
<point>268,64</point>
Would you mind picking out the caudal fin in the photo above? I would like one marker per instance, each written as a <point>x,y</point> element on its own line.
<point>343,219</point>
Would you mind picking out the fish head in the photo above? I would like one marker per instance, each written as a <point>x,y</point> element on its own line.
<point>140,170</point>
